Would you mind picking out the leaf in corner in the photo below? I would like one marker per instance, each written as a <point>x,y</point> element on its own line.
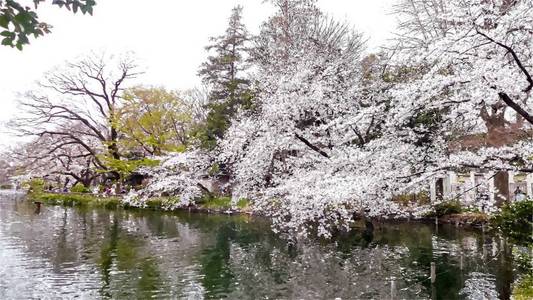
<point>4,21</point>
<point>7,41</point>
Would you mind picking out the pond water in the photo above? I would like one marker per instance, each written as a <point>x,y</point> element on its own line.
<point>58,252</point>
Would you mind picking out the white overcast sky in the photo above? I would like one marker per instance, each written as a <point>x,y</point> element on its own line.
<point>167,36</point>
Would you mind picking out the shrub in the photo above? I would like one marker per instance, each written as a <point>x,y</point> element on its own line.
<point>5,187</point>
<point>79,188</point>
<point>78,200</point>
<point>420,198</point>
<point>223,203</point>
<point>515,220</point>
<point>216,202</point>
<point>523,289</point>
<point>34,186</point>
<point>446,208</point>
<point>214,169</point>
<point>162,203</point>
<point>243,203</point>
<point>522,259</point>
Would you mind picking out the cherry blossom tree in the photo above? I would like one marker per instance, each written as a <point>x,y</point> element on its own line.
<point>333,135</point>
<point>471,62</point>
<point>56,159</point>
<point>178,177</point>
<point>303,122</point>
<point>478,61</point>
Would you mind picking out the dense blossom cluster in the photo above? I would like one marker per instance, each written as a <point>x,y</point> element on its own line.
<point>333,134</point>
<point>468,57</point>
<point>176,177</point>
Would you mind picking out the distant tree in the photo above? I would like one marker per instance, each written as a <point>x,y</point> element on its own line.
<point>197,100</point>
<point>224,73</point>
<point>5,169</point>
<point>57,159</point>
<point>153,120</point>
<point>87,93</point>
<point>20,22</point>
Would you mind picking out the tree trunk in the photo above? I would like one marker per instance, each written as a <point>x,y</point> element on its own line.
<point>498,136</point>
<point>439,188</point>
<point>113,148</point>
<point>501,183</point>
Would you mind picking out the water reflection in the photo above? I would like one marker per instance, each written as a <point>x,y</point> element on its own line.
<point>67,252</point>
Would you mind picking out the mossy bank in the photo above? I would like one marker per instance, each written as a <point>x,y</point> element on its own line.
<point>206,204</point>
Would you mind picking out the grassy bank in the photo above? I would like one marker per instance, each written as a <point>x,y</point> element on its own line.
<point>523,289</point>
<point>72,199</point>
<point>206,204</point>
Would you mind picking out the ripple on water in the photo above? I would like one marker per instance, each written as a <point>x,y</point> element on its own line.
<point>94,253</point>
<point>480,286</point>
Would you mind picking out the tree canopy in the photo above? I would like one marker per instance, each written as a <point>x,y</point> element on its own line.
<point>225,73</point>
<point>154,120</point>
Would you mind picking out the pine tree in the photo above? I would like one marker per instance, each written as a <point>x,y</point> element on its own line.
<point>224,73</point>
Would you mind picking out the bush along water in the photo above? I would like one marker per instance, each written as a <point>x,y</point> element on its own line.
<point>515,221</point>
<point>79,188</point>
<point>448,208</point>
<point>34,186</point>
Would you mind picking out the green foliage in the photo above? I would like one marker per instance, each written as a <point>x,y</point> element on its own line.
<point>78,200</point>
<point>20,22</point>
<point>427,118</point>
<point>223,72</point>
<point>153,120</point>
<point>516,221</point>
<point>243,203</point>
<point>214,169</point>
<point>471,209</point>
<point>523,289</point>
<point>222,203</point>
<point>156,203</point>
<point>161,203</point>
<point>215,202</point>
<point>425,123</point>
<point>219,118</point>
<point>34,186</point>
<point>178,148</point>
<point>79,188</point>
<point>446,208</point>
<point>522,258</point>
<point>5,186</point>
<point>125,167</point>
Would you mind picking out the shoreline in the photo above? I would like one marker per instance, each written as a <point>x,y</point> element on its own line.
<point>222,206</point>
<point>212,206</point>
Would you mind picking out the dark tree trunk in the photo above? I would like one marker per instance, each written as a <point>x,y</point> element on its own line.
<point>501,183</point>
<point>439,188</point>
<point>497,137</point>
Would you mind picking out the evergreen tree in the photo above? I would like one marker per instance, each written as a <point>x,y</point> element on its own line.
<point>224,73</point>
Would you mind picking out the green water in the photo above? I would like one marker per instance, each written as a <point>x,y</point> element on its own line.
<point>58,252</point>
